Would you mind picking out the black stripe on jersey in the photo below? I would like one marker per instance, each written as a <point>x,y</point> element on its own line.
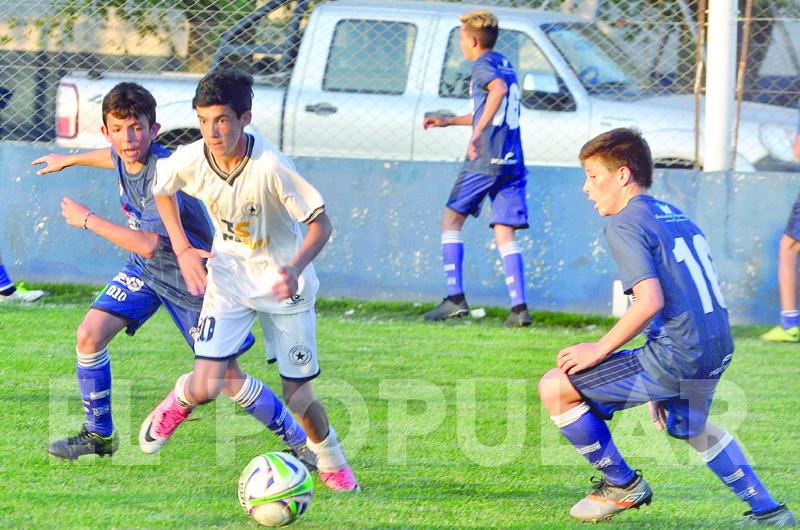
<point>314,215</point>
<point>230,179</point>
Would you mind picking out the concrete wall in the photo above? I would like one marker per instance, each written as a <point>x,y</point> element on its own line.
<point>386,232</point>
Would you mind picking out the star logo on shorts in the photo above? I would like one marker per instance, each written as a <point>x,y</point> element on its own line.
<point>251,208</point>
<point>300,355</point>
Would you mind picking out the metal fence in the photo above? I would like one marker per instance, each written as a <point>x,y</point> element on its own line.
<point>369,71</point>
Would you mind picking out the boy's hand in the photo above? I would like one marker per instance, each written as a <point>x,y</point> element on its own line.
<point>434,121</point>
<point>286,285</point>
<point>193,269</point>
<point>53,162</point>
<point>658,413</point>
<point>574,359</point>
<point>74,213</point>
<point>475,144</point>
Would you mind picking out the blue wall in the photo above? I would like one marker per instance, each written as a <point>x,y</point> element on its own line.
<point>386,232</point>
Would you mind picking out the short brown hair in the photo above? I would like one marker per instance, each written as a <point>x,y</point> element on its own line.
<point>129,100</point>
<point>622,147</point>
<point>482,25</point>
<point>225,87</point>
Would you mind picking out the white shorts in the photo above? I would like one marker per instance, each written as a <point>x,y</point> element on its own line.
<point>290,340</point>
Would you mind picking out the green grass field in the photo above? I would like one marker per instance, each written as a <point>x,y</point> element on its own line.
<point>442,425</point>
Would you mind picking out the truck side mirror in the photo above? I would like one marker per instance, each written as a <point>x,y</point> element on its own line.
<point>540,82</point>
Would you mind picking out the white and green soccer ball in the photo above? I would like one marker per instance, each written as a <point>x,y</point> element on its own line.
<point>275,489</point>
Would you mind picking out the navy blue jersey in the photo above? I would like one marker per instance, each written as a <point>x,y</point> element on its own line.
<point>161,272</point>
<point>501,152</point>
<point>690,337</point>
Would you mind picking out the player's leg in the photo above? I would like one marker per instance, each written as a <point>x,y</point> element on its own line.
<point>582,426</point>
<point>579,405</point>
<point>509,214</point>
<point>247,391</point>
<point>789,249</point>
<point>724,457</point>
<point>455,303</point>
<point>221,335</point>
<point>465,199</point>
<point>15,293</point>
<point>334,470</point>
<point>126,302</point>
<point>258,400</point>
<point>291,339</point>
<point>789,328</point>
<point>94,379</point>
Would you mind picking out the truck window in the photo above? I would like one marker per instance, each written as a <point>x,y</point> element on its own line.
<point>516,46</point>
<point>369,57</point>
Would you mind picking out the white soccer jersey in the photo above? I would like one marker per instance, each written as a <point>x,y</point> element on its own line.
<point>255,210</point>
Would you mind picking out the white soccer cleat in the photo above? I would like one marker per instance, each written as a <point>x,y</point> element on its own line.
<point>23,294</point>
<point>161,423</point>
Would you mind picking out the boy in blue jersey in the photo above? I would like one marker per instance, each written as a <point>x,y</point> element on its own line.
<point>665,262</point>
<point>789,250</point>
<point>494,166</point>
<point>151,278</point>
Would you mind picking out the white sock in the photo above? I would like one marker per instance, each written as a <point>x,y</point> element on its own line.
<point>330,456</point>
<point>180,391</point>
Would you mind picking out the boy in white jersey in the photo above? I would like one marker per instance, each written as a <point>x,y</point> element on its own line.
<point>260,264</point>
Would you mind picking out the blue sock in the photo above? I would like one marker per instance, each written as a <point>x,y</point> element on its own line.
<point>94,379</point>
<point>790,319</point>
<point>728,462</point>
<point>591,438</point>
<point>453,259</point>
<point>262,403</point>
<point>5,281</point>
<point>515,274</point>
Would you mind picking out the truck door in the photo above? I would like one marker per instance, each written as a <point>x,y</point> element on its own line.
<point>358,88</point>
<point>554,123</point>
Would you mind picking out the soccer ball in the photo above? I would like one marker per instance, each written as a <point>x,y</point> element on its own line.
<point>275,489</point>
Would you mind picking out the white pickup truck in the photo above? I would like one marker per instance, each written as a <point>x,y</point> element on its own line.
<point>366,73</point>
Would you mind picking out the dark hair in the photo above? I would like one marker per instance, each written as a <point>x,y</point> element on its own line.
<point>225,87</point>
<point>129,100</point>
<point>482,25</point>
<point>622,147</point>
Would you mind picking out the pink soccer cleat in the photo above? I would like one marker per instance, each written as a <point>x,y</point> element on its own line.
<point>342,480</point>
<point>161,423</point>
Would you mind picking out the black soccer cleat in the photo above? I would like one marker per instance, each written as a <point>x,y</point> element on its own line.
<point>84,443</point>
<point>521,319</point>
<point>780,517</point>
<point>306,456</point>
<point>447,309</point>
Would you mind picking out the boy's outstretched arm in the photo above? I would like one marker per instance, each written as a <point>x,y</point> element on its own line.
<point>319,231</point>
<point>56,162</point>
<point>648,301</point>
<point>446,121</point>
<point>190,259</point>
<point>139,242</point>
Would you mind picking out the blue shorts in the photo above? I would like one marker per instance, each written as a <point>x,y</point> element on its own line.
<point>127,297</point>
<point>507,193</point>
<point>620,382</point>
<point>793,225</point>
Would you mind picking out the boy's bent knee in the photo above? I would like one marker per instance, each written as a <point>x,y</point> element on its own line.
<point>89,339</point>
<point>556,391</point>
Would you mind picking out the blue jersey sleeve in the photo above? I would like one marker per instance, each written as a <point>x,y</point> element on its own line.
<point>151,220</point>
<point>484,71</point>
<point>631,248</point>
